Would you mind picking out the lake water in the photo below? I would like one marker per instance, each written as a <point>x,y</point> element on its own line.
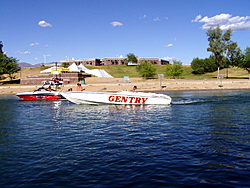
<point>202,140</point>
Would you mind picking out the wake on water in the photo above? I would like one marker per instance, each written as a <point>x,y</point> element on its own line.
<point>190,101</point>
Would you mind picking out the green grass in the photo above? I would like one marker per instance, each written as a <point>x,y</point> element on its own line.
<point>119,71</point>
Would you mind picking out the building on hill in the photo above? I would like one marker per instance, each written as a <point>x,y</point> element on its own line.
<point>112,61</point>
<point>85,62</point>
<point>121,61</point>
<point>155,61</point>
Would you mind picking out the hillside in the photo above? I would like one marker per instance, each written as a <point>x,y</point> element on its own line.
<point>28,65</point>
<point>119,71</point>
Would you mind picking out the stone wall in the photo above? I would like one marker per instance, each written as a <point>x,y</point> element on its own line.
<point>67,78</point>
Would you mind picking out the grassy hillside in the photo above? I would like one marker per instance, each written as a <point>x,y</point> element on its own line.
<point>118,71</point>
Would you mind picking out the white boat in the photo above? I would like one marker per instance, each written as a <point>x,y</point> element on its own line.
<point>123,97</point>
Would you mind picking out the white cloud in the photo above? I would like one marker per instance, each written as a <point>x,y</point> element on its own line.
<point>144,16</point>
<point>26,52</point>
<point>19,52</point>
<point>156,19</point>
<point>116,24</point>
<point>225,21</point>
<point>44,24</point>
<point>34,44</point>
<point>169,45</point>
<point>46,45</point>
<point>197,18</point>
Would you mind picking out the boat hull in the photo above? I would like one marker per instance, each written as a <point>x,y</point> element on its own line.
<point>124,97</point>
<point>40,95</point>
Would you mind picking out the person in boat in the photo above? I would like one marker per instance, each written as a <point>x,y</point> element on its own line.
<point>79,87</point>
<point>70,89</point>
<point>50,89</point>
<point>41,89</point>
<point>134,89</point>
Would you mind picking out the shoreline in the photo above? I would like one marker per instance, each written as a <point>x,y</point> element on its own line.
<point>118,84</point>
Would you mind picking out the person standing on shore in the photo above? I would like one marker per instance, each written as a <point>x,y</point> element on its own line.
<point>79,87</point>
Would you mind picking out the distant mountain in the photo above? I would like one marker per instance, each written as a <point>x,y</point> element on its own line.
<point>28,65</point>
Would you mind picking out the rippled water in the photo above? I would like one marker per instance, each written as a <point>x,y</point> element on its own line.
<point>202,140</point>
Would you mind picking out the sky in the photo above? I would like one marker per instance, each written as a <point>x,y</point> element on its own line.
<point>43,31</point>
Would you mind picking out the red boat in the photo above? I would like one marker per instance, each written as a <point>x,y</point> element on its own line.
<point>40,94</point>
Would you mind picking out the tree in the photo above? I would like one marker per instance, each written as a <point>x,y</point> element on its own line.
<point>235,55</point>
<point>65,64</point>
<point>201,66</point>
<point>244,60</point>
<point>8,65</point>
<point>174,70</point>
<point>197,66</point>
<point>221,46</point>
<point>1,46</point>
<point>131,58</point>
<point>146,69</point>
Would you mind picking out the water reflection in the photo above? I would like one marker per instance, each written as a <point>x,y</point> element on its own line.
<point>113,111</point>
<point>227,126</point>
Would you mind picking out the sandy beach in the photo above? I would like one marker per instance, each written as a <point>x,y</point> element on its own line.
<point>118,84</point>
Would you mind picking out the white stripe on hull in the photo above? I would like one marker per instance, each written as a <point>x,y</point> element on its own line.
<point>124,97</point>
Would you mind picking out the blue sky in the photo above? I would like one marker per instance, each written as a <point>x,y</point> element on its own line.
<point>35,31</point>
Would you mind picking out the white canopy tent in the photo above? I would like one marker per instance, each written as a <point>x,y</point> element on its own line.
<point>95,72</point>
<point>73,68</point>
<point>99,73</point>
<point>81,67</point>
